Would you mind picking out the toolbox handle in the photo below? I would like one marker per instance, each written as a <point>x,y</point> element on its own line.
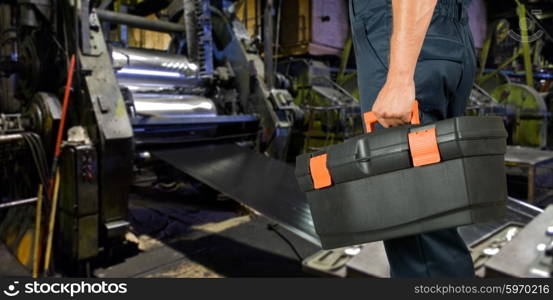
<point>370,117</point>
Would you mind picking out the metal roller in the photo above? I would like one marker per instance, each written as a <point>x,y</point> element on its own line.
<point>173,105</point>
<point>153,71</point>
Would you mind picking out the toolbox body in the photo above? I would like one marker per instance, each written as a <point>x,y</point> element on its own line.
<point>373,192</point>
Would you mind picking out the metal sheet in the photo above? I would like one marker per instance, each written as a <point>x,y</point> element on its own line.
<point>517,257</point>
<point>517,212</point>
<point>266,185</point>
<point>270,187</point>
<point>148,70</point>
<point>173,105</point>
<point>527,155</point>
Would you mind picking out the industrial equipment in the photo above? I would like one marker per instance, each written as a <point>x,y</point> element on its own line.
<point>513,69</point>
<point>208,87</point>
<point>332,114</point>
<point>530,174</point>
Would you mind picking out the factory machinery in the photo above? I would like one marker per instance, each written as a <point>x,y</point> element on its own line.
<point>126,106</point>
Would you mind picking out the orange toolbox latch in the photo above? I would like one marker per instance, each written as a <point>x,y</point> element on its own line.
<point>319,172</point>
<point>424,147</point>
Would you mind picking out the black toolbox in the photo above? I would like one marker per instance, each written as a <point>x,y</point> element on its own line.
<point>406,180</point>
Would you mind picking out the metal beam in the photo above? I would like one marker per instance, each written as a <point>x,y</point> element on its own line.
<point>105,4</point>
<point>139,22</point>
<point>525,43</point>
<point>268,44</point>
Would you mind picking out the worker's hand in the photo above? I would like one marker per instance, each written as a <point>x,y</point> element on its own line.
<point>394,104</point>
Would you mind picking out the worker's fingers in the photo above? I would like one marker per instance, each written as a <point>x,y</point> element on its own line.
<point>387,123</point>
<point>392,116</point>
<point>393,122</point>
<point>383,122</point>
<point>406,118</point>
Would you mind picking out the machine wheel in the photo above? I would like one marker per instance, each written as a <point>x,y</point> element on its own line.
<point>530,129</point>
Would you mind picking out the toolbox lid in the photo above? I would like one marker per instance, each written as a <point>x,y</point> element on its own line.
<point>388,150</point>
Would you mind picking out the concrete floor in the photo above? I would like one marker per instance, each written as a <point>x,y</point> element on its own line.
<point>182,236</point>
<point>195,235</point>
<point>9,266</point>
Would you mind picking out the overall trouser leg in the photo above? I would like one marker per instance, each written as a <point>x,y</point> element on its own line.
<point>443,79</point>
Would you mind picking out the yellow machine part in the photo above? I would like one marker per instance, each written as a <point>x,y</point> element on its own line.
<point>17,233</point>
<point>528,132</point>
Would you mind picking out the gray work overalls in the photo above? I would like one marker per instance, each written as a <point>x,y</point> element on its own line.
<point>443,78</point>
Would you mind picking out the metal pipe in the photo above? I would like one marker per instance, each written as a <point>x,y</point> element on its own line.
<point>10,137</point>
<point>139,22</point>
<point>268,44</point>
<point>18,202</point>
<point>105,3</point>
<point>525,44</point>
<point>277,38</point>
<point>190,22</point>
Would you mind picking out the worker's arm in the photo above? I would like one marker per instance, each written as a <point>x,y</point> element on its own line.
<point>410,22</point>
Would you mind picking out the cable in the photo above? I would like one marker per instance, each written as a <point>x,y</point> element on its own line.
<point>42,153</point>
<point>36,157</point>
<point>39,159</point>
<point>38,154</point>
<point>273,227</point>
<point>34,151</point>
